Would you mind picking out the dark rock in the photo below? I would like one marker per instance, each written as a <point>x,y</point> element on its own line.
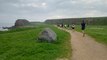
<point>21,22</point>
<point>47,35</point>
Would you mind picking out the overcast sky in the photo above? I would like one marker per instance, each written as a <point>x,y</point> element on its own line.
<point>40,10</point>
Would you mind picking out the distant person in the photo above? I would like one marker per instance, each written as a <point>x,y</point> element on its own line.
<point>73,27</point>
<point>62,25</point>
<point>65,26</point>
<point>68,25</point>
<point>83,25</point>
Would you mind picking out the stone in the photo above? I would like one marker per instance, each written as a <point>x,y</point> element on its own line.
<point>21,22</point>
<point>47,35</point>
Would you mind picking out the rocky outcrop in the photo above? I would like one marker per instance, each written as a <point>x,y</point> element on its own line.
<point>21,22</point>
<point>47,35</point>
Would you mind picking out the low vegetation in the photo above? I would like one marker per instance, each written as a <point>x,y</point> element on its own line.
<point>21,44</point>
<point>89,20</point>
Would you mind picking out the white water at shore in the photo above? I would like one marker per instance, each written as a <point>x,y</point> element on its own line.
<point>5,25</point>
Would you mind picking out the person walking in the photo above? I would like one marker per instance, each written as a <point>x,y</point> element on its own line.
<point>83,25</point>
<point>73,27</point>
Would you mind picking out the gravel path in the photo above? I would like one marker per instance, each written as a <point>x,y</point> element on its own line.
<point>86,48</point>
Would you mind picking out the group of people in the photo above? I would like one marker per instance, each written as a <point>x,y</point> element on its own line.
<point>83,25</point>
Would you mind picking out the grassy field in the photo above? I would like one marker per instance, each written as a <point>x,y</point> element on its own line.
<point>97,32</point>
<point>21,44</point>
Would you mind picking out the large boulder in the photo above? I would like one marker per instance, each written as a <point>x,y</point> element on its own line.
<point>47,35</point>
<point>21,22</point>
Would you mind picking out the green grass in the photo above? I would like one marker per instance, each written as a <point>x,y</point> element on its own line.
<point>21,44</point>
<point>97,32</point>
<point>16,30</point>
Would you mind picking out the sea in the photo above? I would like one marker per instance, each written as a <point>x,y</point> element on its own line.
<point>5,25</point>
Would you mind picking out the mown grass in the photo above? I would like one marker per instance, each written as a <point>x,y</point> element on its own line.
<point>21,44</point>
<point>97,32</point>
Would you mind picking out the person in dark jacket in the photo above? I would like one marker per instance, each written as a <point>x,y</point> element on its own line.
<point>83,25</point>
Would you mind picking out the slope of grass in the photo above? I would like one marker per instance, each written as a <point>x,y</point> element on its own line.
<point>16,30</point>
<point>97,32</point>
<point>21,44</point>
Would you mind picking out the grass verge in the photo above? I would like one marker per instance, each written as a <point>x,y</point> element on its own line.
<point>97,32</point>
<point>21,44</point>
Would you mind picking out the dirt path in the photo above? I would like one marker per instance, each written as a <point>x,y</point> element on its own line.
<point>86,48</point>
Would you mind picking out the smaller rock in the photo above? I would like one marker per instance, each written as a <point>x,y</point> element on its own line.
<point>47,35</point>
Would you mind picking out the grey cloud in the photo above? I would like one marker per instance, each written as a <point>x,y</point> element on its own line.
<point>34,11</point>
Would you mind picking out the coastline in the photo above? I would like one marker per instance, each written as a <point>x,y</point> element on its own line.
<point>5,25</point>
